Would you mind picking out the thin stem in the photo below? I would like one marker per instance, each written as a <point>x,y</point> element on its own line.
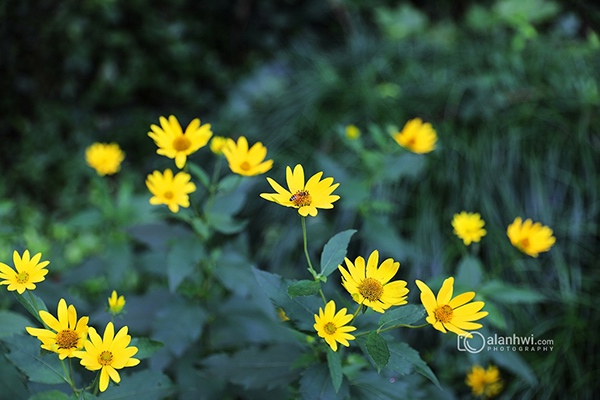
<point>402,326</point>
<point>360,306</point>
<point>310,267</point>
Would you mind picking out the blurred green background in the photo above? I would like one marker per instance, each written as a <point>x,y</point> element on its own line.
<point>512,88</point>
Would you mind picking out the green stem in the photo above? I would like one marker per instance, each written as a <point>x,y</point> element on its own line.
<point>360,306</point>
<point>401,326</point>
<point>310,267</point>
<point>35,307</point>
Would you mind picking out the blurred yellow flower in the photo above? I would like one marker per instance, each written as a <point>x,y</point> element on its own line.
<point>115,304</point>
<point>417,136</point>
<point>530,238</point>
<point>453,314</point>
<point>29,271</point>
<point>352,132</point>
<point>244,161</point>
<point>484,383</point>
<point>169,190</point>
<point>331,326</point>
<point>172,142</point>
<point>369,283</point>
<point>316,193</point>
<point>468,227</point>
<point>108,354</point>
<point>217,144</point>
<point>66,334</point>
<point>281,314</point>
<point>105,158</point>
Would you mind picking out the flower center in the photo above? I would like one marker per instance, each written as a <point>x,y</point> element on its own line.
<point>245,166</point>
<point>443,313</point>
<point>523,243</point>
<point>411,142</point>
<point>22,277</point>
<point>105,358</point>
<point>301,198</point>
<point>371,289</point>
<point>330,328</point>
<point>67,339</point>
<point>181,143</point>
<point>168,195</point>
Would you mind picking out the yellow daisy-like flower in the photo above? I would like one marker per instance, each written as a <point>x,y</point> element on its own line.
<point>108,354</point>
<point>468,227</point>
<point>217,144</point>
<point>115,303</point>
<point>105,158</point>
<point>352,132</point>
<point>316,193</point>
<point>244,161</point>
<point>369,283</point>
<point>531,238</point>
<point>331,326</point>
<point>417,136</point>
<point>66,334</point>
<point>453,314</point>
<point>29,271</point>
<point>172,142</point>
<point>170,190</point>
<point>484,383</point>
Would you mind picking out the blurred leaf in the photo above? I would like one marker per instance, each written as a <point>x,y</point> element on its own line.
<point>406,315</point>
<point>404,359</point>
<point>178,325</point>
<point>379,386</point>
<point>50,395</point>
<point>469,272</point>
<point>12,381</point>
<point>495,316</point>
<point>316,384</point>
<point>33,306</point>
<point>378,350</point>
<point>199,173</point>
<point>335,251</point>
<point>226,224</point>
<point>11,323</point>
<point>229,183</point>
<point>408,165</point>
<point>147,385</point>
<point>146,347</point>
<point>25,354</point>
<point>508,294</point>
<point>334,362</point>
<point>183,259</point>
<point>513,362</point>
<point>303,288</point>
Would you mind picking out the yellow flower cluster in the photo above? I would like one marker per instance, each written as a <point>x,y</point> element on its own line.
<point>485,383</point>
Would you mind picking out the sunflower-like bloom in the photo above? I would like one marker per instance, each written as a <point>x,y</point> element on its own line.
<point>530,238</point>
<point>66,334</point>
<point>105,158</point>
<point>170,190</point>
<point>244,161</point>
<point>115,303</point>
<point>331,326</point>
<point>29,271</point>
<point>217,144</point>
<point>352,132</point>
<point>172,142</point>
<point>468,227</point>
<point>417,136</point>
<point>453,314</point>
<point>369,283</point>
<point>485,383</point>
<point>316,193</point>
<point>108,354</point>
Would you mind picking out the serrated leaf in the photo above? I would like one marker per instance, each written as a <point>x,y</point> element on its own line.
<point>178,324</point>
<point>303,288</point>
<point>378,350</point>
<point>12,323</point>
<point>335,251</point>
<point>200,174</point>
<point>405,315</point>
<point>147,385</point>
<point>404,359</point>
<point>316,384</point>
<point>146,347</point>
<point>182,260</point>
<point>25,354</point>
<point>334,362</point>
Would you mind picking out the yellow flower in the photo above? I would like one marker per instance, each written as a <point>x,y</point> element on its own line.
<point>115,304</point>
<point>453,314</point>
<point>370,284</point>
<point>217,144</point>
<point>66,334</point>
<point>244,161</point>
<point>105,158</point>
<point>484,382</point>
<point>468,227</point>
<point>108,354</point>
<point>172,142</point>
<point>530,238</point>
<point>331,326</point>
<point>316,193</point>
<point>352,132</point>
<point>417,136</point>
<point>29,271</point>
<point>169,190</point>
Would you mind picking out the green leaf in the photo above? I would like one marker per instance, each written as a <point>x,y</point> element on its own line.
<point>509,294</point>
<point>405,315</point>
<point>182,260</point>
<point>316,384</point>
<point>25,354</point>
<point>178,324</point>
<point>469,272</point>
<point>335,251</point>
<point>514,362</point>
<point>50,395</point>
<point>12,381</point>
<point>225,223</point>
<point>229,183</point>
<point>11,323</point>
<point>334,362</point>
<point>404,359</point>
<point>303,288</point>
<point>200,174</point>
<point>378,350</point>
<point>33,306</point>
<point>146,347</point>
<point>147,385</point>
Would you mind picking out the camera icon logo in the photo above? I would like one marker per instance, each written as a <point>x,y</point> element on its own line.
<point>473,345</point>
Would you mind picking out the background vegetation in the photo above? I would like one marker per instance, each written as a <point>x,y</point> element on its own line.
<point>511,87</point>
